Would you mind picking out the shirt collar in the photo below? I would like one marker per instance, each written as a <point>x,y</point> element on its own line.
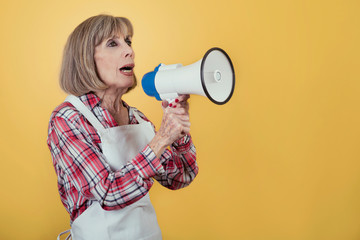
<point>90,100</point>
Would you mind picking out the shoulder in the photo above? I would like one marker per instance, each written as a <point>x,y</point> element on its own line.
<point>68,112</point>
<point>65,111</point>
<point>61,118</point>
<point>64,119</point>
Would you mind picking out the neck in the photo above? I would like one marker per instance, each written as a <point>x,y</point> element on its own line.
<point>111,100</point>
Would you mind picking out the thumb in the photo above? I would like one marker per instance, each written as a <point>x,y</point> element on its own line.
<point>165,104</point>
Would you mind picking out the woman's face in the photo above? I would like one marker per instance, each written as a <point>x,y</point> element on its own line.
<point>114,60</point>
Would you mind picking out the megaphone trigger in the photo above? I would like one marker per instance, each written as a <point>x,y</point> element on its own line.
<point>212,76</point>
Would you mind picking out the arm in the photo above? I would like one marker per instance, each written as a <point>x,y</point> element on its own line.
<point>179,163</point>
<point>84,167</point>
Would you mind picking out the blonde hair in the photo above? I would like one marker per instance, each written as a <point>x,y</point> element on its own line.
<point>78,73</point>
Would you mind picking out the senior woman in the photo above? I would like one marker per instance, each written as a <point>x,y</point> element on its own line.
<point>106,153</point>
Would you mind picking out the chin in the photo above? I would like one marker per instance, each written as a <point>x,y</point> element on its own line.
<point>134,84</point>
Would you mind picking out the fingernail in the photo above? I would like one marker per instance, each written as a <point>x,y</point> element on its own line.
<point>176,100</point>
<point>170,105</point>
<point>174,106</point>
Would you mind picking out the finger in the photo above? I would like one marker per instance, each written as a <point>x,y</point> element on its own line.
<point>174,123</point>
<point>178,110</point>
<point>186,124</point>
<point>184,105</point>
<point>181,103</point>
<point>185,131</point>
<point>176,120</point>
<point>183,118</point>
<point>164,104</point>
<point>182,98</point>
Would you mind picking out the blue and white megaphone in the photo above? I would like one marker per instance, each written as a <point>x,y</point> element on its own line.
<point>213,76</point>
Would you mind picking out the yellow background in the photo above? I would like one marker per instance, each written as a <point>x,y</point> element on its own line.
<point>280,161</point>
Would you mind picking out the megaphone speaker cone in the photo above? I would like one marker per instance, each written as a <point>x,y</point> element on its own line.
<point>217,76</point>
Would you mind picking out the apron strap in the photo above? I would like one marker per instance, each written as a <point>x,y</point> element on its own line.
<point>136,115</point>
<point>79,105</point>
<point>65,232</point>
<point>141,120</point>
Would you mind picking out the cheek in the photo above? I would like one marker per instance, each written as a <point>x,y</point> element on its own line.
<point>100,64</point>
<point>103,67</point>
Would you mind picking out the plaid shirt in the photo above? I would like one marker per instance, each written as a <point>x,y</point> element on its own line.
<point>83,174</point>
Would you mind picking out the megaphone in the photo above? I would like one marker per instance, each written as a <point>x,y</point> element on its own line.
<point>212,76</point>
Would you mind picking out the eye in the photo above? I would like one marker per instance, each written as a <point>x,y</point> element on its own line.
<point>128,41</point>
<point>111,43</point>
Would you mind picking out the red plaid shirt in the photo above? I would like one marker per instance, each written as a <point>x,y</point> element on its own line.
<point>83,174</point>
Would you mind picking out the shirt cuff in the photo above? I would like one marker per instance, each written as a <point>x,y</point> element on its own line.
<point>183,144</point>
<point>147,164</point>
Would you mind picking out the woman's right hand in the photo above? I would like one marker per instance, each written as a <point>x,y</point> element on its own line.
<point>175,124</point>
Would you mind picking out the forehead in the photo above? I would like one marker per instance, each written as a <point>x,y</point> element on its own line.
<point>117,30</point>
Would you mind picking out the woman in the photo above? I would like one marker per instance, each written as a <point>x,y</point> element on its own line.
<point>106,153</point>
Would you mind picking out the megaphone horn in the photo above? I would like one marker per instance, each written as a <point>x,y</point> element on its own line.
<point>212,76</point>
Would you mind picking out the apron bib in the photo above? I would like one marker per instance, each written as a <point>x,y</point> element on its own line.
<point>137,221</point>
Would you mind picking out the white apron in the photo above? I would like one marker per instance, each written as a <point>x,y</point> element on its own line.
<point>135,222</point>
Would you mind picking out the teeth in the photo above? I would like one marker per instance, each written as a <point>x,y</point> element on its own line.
<point>126,70</point>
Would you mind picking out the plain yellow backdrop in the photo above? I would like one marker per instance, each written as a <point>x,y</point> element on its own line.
<point>280,161</point>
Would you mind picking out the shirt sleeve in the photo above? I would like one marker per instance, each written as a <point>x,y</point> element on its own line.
<point>179,164</point>
<point>83,165</point>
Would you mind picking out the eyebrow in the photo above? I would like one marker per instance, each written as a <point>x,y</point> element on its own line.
<point>117,36</point>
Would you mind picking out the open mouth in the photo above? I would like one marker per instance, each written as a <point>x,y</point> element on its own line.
<point>127,68</point>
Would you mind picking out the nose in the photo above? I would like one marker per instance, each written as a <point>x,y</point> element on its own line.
<point>128,51</point>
